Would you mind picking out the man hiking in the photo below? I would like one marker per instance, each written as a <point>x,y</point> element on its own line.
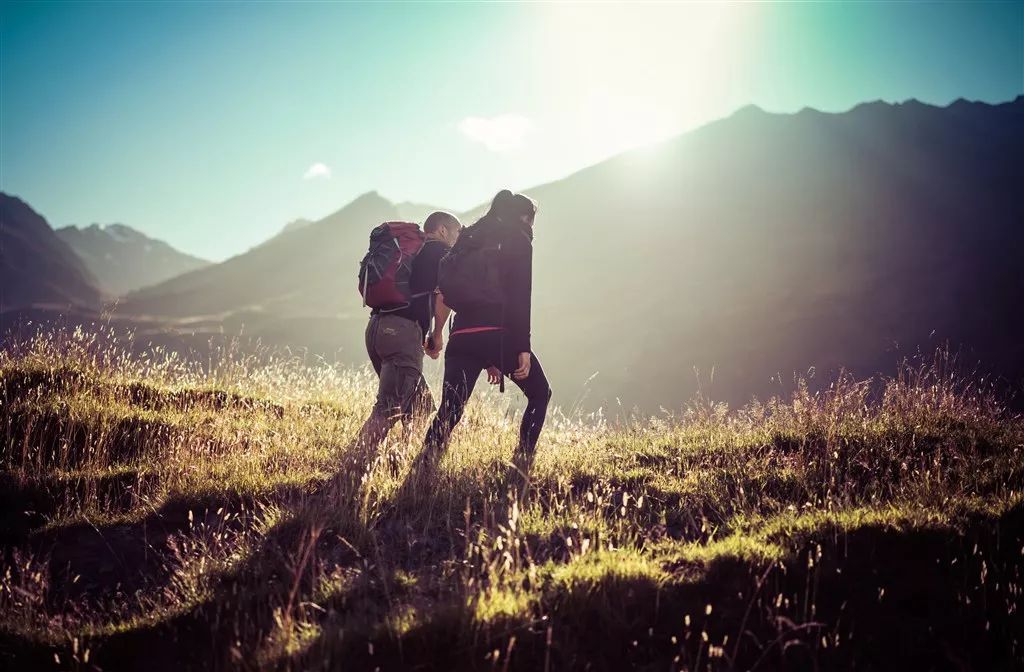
<point>396,337</point>
<point>487,281</point>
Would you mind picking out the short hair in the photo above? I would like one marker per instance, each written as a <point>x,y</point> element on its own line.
<point>439,218</point>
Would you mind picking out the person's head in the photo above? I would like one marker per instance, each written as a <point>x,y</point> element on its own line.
<point>509,207</point>
<point>443,226</point>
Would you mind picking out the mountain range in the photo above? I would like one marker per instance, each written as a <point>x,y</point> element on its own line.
<point>123,259</point>
<point>725,260</point>
<point>36,266</point>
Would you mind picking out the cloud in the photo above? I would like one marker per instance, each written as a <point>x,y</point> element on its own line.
<point>317,170</point>
<point>502,133</point>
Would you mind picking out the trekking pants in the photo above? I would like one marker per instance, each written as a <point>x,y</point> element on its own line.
<point>395,347</point>
<point>466,357</point>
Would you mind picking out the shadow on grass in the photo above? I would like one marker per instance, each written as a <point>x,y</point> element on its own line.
<point>247,602</point>
<point>48,438</point>
<point>27,503</point>
<point>102,566</point>
<point>873,598</point>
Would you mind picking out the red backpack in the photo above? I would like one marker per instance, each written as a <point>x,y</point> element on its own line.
<point>384,271</point>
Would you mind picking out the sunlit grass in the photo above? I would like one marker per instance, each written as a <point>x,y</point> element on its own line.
<point>230,500</point>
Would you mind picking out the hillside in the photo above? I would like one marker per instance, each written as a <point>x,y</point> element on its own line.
<point>765,244</point>
<point>36,266</point>
<point>155,518</point>
<point>299,273</point>
<point>754,247</point>
<point>726,260</point>
<point>123,259</point>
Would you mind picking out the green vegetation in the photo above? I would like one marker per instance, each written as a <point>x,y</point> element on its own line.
<point>155,514</point>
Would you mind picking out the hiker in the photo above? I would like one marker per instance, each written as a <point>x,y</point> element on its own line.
<point>395,335</point>
<point>487,279</point>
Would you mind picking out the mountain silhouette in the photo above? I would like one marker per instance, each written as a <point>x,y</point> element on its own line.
<point>295,225</point>
<point>767,244</point>
<point>307,271</point>
<point>724,260</point>
<point>123,259</point>
<point>415,212</point>
<point>36,266</point>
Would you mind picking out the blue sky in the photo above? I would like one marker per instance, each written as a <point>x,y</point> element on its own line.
<point>211,125</point>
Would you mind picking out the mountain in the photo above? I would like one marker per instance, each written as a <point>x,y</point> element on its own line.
<point>415,212</point>
<point>123,259</point>
<point>407,211</point>
<point>301,273</point>
<point>295,225</point>
<point>36,266</point>
<point>766,244</point>
<point>724,260</point>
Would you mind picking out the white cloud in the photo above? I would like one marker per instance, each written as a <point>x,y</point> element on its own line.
<point>502,133</point>
<point>317,170</point>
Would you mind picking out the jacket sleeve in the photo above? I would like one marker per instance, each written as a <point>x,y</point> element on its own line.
<point>518,290</point>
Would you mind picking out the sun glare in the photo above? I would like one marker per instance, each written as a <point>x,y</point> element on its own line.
<point>634,73</point>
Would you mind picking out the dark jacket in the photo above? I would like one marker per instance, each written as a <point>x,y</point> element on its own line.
<point>516,273</point>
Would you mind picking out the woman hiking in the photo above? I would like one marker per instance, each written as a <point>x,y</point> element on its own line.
<point>492,332</point>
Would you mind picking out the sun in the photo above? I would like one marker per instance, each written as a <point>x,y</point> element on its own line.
<point>633,73</point>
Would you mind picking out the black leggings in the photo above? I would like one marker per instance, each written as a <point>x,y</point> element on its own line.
<point>466,357</point>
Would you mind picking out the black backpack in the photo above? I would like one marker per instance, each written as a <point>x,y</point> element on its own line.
<point>469,275</point>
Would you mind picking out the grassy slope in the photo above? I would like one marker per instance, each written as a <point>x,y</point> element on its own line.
<point>153,517</point>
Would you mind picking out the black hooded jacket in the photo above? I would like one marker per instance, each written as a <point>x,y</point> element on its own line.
<point>516,273</point>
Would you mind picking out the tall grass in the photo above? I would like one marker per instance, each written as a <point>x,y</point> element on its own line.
<point>164,513</point>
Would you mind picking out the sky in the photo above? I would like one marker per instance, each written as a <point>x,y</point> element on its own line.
<point>212,125</point>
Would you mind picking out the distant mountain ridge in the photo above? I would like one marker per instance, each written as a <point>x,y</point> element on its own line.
<point>124,259</point>
<point>725,259</point>
<point>415,212</point>
<point>299,273</point>
<point>295,224</point>
<point>406,211</point>
<point>36,266</point>
<point>767,244</point>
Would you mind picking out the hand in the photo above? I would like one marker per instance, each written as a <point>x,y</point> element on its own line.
<point>434,344</point>
<point>524,366</point>
<point>493,375</point>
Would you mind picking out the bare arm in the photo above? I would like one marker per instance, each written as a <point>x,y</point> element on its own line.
<point>435,341</point>
<point>441,313</point>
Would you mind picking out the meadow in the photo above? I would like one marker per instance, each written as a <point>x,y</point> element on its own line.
<point>159,514</point>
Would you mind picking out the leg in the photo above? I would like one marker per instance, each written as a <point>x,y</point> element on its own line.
<point>421,408</point>
<point>397,385</point>
<point>422,402</point>
<point>538,394</point>
<point>376,425</point>
<point>395,342</point>
<point>460,374</point>
<point>409,355</point>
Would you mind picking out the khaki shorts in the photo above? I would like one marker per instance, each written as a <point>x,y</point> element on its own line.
<point>395,347</point>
